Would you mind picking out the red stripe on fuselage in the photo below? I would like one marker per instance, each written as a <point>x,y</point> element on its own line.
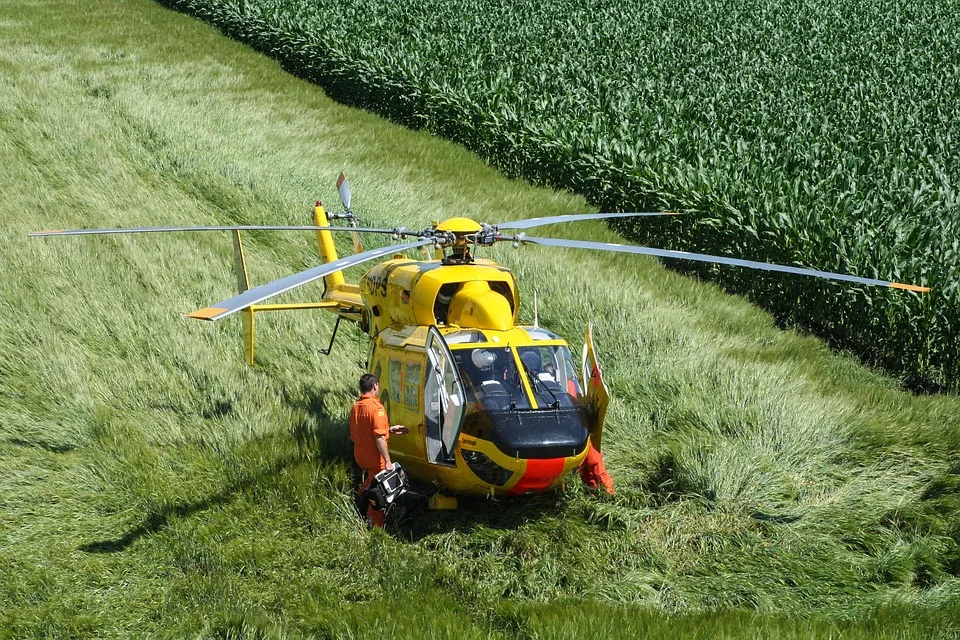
<point>539,475</point>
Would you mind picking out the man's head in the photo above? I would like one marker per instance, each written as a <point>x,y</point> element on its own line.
<point>368,383</point>
<point>531,358</point>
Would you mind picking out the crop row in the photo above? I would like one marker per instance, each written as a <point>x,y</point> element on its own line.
<point>806,132</point>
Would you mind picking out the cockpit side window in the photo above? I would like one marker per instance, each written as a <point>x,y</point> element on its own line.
<point>569,374</point>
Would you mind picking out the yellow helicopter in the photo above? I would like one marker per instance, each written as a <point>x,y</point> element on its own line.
<point>493,408</point>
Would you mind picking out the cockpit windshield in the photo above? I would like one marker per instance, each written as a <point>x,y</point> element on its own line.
<point>490,378</point>
<point>553,377</point>
<point>493,381</point>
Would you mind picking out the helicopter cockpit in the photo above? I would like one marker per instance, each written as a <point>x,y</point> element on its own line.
<point>524,399</point>
<point>491,379</point>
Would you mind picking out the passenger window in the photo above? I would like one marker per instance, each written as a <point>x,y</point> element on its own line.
<point>396,368</point>
<point>411,385</point>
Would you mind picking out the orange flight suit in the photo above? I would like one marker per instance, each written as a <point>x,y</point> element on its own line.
<point>368,420</point>
<point>594,472</point>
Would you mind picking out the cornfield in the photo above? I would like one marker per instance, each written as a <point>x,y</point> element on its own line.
<point>803,132</point>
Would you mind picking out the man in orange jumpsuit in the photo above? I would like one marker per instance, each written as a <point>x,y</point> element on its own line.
<point>369,431</point>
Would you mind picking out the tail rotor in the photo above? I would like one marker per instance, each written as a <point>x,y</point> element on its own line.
<point>346,194</point>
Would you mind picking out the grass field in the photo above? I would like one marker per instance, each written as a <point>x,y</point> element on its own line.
<point>153,486</point>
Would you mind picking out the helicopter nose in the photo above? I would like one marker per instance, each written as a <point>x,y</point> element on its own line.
<point>538,476</point>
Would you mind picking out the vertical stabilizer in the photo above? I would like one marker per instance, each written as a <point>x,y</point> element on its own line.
<point>243,284</point>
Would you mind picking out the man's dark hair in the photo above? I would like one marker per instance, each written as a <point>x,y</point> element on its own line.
<point>367,381</point>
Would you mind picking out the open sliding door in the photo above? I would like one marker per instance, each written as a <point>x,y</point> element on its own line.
<point>444,401</point>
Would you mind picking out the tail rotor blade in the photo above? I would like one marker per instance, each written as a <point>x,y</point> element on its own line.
<point>699,257</point>
<point>343,188</point>
<point>357,244</point>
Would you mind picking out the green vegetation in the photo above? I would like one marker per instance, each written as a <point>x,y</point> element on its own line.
<point>809,132</point>
<point>153,486</point>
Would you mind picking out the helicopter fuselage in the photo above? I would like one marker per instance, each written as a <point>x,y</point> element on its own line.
<point>492,408</point>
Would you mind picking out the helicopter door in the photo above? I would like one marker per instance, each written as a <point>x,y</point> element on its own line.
<point>596,395</point>
<point>444,401</point>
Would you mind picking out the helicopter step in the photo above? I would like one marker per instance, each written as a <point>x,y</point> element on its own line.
<point>436,500</point>
<point>441,502</point>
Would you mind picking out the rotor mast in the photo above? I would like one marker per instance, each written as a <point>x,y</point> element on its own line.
<point>464,232</point>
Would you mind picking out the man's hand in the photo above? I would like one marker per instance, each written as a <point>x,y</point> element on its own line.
<point>399,430</point>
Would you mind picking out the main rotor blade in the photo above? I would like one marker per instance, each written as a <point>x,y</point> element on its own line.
<point>261,293</point>
<point>684,255</point>
<point>86,232</point>
<point>539,222</point>
<point>343,188</point>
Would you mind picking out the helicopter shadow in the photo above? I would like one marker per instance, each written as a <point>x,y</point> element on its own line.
<point>318,438</point>
<point>161,518</point>
<point>321,437</point>
<point>411,521</point>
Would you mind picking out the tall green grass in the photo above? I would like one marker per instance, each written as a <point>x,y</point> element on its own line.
<point>807,132</point>
<point>153,485</point>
